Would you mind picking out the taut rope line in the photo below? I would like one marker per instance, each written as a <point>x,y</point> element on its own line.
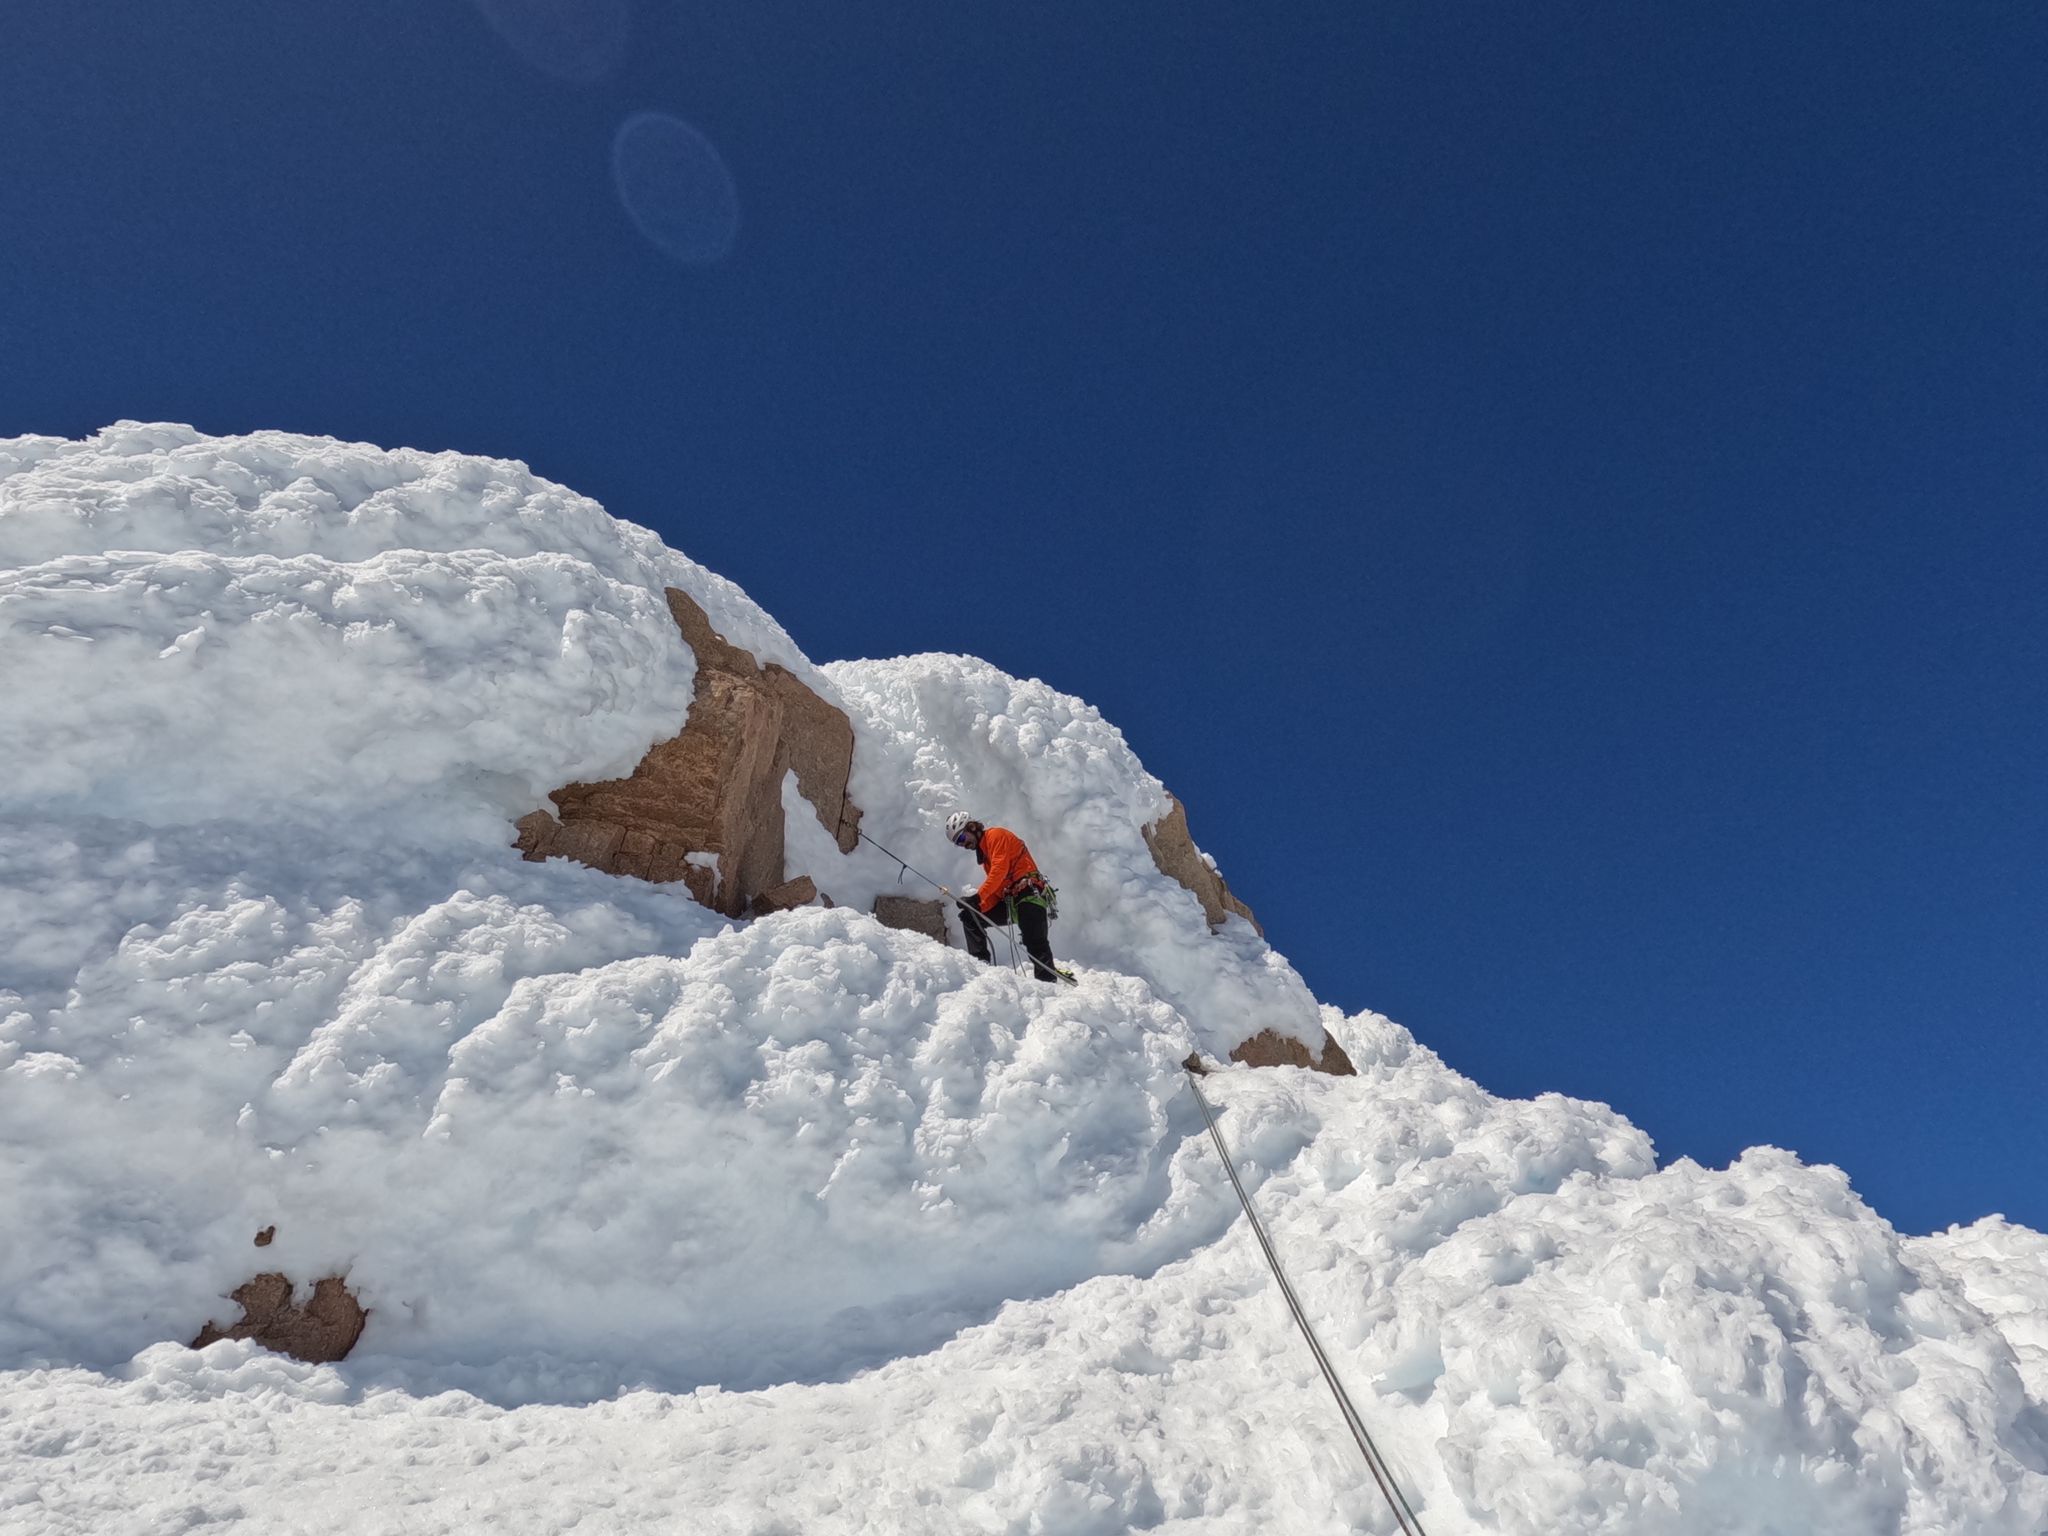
<point>1404,1514</point>
<point>907,867</point>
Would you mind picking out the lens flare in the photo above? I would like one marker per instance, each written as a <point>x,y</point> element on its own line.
<point>675,187</point>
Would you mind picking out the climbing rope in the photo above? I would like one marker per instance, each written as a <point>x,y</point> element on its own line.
<point>1404,1513</point>
<point>991,926</point>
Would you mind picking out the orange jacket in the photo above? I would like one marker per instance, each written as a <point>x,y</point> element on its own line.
<point>1005,858</point>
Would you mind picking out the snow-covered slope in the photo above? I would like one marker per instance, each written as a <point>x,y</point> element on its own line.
<point>802,1224</point>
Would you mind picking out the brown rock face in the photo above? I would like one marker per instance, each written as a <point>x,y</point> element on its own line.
<point>1173,850</point>
<point>705,807</point>
<point>800,892</point>
<point>925,917</point>
<point>324,1330</point>
<point>1268,1049</point>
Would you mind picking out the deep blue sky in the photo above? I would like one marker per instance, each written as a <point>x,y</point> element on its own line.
<point>1558,489</point>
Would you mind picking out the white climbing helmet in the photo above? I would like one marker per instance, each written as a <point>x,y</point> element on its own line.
<point>957,823</point>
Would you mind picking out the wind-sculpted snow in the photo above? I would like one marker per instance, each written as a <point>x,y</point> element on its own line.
<point>957,733</point>
<point>803,1144</point>
<point>289,627</point>
<point>803,1224</point>
<point>1589,1348</point>
<point>2003,1270</point>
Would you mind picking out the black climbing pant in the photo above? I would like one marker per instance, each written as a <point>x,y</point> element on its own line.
<point>1032,926</point>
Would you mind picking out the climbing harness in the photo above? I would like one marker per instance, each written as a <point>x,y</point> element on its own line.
<point>1019,960</point>
<point>1035,887</point>
<point>1404,1513</point>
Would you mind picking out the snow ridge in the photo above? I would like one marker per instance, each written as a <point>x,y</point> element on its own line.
<point>804,1223</point>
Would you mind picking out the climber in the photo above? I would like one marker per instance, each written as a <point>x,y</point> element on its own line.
<point>1012,890</point>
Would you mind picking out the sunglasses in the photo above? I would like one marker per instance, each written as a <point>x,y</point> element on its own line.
<point>963,839</point>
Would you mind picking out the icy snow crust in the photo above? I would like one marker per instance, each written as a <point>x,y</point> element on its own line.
<point>803,1224</point>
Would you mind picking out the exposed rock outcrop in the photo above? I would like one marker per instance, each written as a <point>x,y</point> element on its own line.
<point>1174,851</point>
<point>322,1331</point>
<point>800,892</point>
<point>1270,1049</point>
<point>705,807</point>
<point>925,917</point>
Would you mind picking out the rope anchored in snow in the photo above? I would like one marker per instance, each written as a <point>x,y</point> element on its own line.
<point>1404,1513</point>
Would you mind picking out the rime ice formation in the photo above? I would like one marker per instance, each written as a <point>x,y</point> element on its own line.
<point>803,1222</point>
